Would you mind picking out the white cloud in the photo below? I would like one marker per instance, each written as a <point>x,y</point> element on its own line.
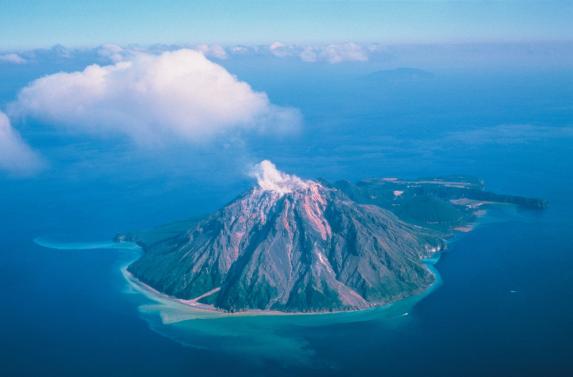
<point>240,50</point>
<point>151,98</point>
<point>12,58</point>
<point>213,51</point>
<point>116,53</point>
<point>15,155</point>
<point>331,53</point>
<point>112,52</point>
<point>344,52</point>
<point>309,55</point>
<point>281,50</point>
<point>62,51</point>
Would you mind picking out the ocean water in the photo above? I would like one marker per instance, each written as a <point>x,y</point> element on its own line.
<point>503,307</point>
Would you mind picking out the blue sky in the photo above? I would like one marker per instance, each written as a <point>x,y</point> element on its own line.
<point>37,23</point>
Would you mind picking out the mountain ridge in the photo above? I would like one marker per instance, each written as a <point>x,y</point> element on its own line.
<point>291,245</point>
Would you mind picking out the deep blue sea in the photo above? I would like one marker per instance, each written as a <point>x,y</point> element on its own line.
<point>505,305</point>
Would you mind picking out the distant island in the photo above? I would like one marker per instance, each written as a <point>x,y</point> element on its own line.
<point>304,246</point>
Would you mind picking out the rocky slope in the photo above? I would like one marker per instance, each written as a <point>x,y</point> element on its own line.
<point>290,245</point>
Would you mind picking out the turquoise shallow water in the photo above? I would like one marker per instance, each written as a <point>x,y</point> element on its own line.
<point>256,336</point>
<point>490,290</point>
<point>106,245</point>
<point>503,307</point>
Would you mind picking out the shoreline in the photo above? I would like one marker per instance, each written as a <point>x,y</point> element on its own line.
<point>205,311</point>
<point>193,306</point>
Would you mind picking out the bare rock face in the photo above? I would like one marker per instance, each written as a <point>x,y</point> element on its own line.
<point>291,245</point>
